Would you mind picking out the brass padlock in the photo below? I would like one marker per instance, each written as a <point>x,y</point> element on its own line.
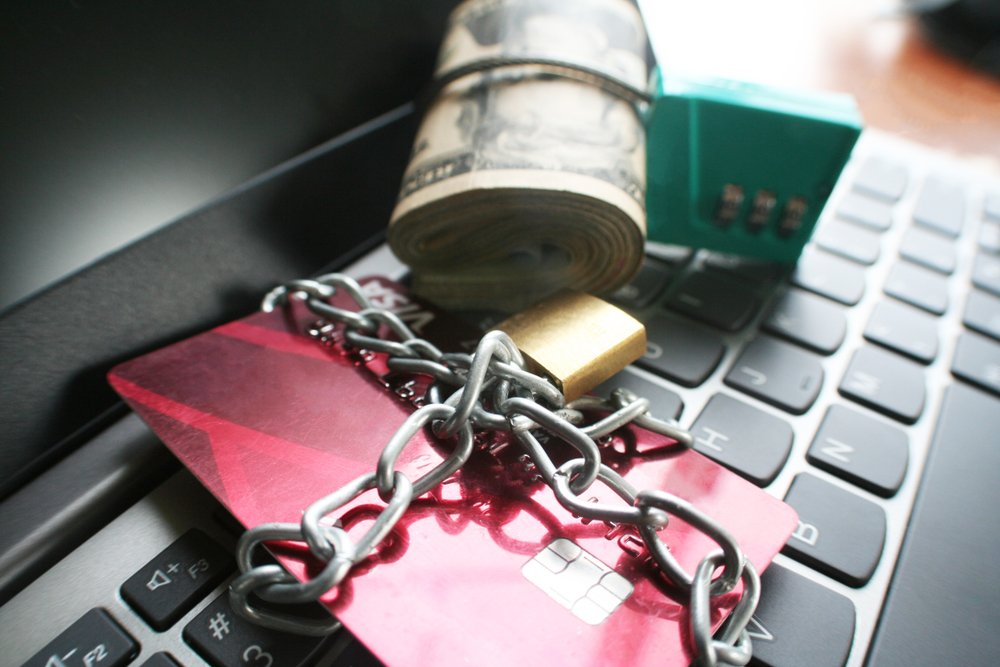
<point>576,339</point>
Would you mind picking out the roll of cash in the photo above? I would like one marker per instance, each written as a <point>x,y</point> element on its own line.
<point>523,180</point>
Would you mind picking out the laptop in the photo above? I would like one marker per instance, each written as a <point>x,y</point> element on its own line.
<point>893,312</point>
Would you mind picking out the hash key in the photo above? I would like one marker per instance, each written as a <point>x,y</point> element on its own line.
<point>779,374</point>
<point>885,382</point>
<point>224,639</point>
<point>839,533</point>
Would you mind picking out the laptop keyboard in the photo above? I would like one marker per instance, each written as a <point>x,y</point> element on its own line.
<point>822,384</point>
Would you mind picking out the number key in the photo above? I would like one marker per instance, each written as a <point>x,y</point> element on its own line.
<point>224,639</point>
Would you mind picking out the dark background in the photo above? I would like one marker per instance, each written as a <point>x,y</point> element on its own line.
<point>118,117</point>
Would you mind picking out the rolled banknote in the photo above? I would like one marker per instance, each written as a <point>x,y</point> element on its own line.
<point>523,179</point>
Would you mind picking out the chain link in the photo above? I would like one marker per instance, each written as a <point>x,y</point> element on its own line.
<point>490,391</point>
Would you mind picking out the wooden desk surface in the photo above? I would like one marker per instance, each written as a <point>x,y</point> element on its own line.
<point>903,84</point>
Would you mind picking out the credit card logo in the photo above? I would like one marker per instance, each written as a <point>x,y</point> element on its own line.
<point>578,581</point>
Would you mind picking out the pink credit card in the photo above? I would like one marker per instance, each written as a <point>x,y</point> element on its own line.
<point>488,569</point>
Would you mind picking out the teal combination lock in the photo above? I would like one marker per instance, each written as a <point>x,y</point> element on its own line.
<point>742,168</point>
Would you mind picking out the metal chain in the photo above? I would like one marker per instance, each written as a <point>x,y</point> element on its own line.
<point>490,391</point>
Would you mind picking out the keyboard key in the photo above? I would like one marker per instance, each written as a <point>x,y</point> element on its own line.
<point>224,639</point>
<point>779,374</point>
<point>830,276</point>
<point>788,625</point>
<point>904,329</point>
<point>168,586</point>
<point>862,450</point>
<point>886,383</point>
<point>839,533</point>
<point>929,249</point>
<point>940,206</point>
<point>986,273</point>
<point>161,659</point>
<point>982,313</point>
<point>918,286</point>
<point>848,240</point>
<point>663,403</point>
<point>746,440</point>
<point>753,269</point>
<point>94,640</point>
<point>680,352</point>
<point>991,206</point>
<point>808,320</point>
<point>941,605</point>
<point>354,654</point>
<point>989,237</point>
<point>715,300</point>
<point>881,178</point>
<point>645,286</point>
<point>865,210</point>
<point>977,360</point>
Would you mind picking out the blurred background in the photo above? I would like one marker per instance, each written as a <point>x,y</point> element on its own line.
<point>120,116</point>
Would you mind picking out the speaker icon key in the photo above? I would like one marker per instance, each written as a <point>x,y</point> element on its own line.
<point>158,579</point>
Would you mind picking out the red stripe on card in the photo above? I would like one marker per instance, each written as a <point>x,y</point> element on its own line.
<point>281,341</point>
<point>230,442</point>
